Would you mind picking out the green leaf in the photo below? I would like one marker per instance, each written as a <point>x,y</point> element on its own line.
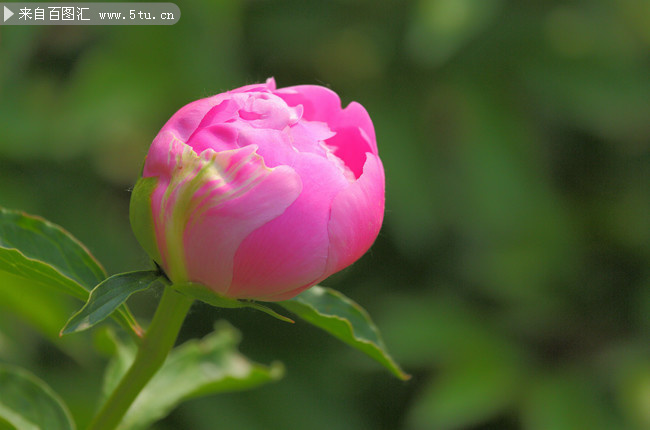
<point>196,368</point>
<point>108,296</point>
<point>36,249</point>
<point>45,312</point>
<point>200,292</point>
<point>27,403</point>
<point>335,313</point>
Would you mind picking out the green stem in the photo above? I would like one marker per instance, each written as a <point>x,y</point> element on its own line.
<point>153,350</point>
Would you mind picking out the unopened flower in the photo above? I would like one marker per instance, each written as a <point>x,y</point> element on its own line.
<point>260,193</point>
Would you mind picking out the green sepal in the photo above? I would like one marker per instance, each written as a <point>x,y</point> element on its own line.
<point>141,216</point>
<point>204,294</point>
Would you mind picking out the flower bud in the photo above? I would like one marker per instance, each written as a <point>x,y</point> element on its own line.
<point>260,193</point>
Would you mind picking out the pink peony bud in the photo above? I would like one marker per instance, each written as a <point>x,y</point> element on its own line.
<point>260,193</point>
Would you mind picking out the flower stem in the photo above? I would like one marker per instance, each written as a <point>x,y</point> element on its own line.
<point>152,352</point>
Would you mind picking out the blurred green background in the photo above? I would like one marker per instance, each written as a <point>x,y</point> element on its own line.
<point>512,274</point>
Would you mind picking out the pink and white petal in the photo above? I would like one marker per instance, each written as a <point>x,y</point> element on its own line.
<point>266,111</point>
<point>291,250</point>
<point>163,155</point>
<point>319,103</point>
<point>315,130</point>
<point>230,211</point>
<point>307,136</point>
<point>357,214</point>
<point>163,161</point>
<point>273,145</point>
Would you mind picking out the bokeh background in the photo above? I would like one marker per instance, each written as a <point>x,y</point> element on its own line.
<point>512,274</point>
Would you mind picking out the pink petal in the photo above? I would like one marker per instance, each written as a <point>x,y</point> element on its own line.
<point>184,122</point>
<point>356,217</point>
<point>227,110</point>
<point>266,111</point>
<point>307,136</point>
<point>273,145</point>
<point>218,137</point>
<point>350,146</point>
<point>286,295</point>
<point>319,103</point>
<point>161,158</point>
<point>291,250</point>
<point>247,196</point>
<point>356,116</point>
